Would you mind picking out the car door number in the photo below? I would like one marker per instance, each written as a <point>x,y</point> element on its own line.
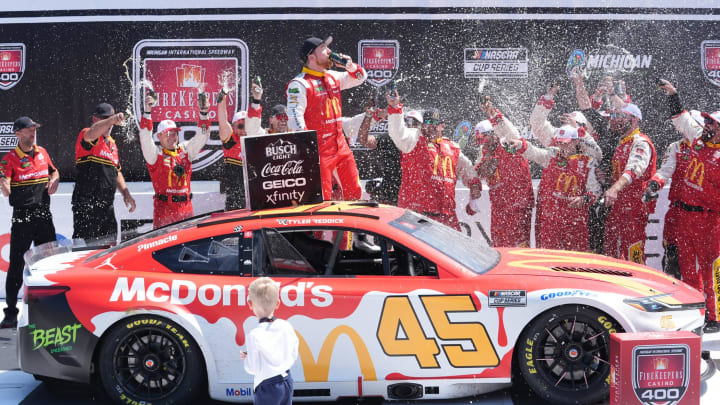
<point>398,314</point>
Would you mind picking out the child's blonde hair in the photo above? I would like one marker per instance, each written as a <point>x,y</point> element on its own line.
<point>264,294</point>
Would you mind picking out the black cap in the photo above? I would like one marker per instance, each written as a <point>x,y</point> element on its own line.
<point>309,45</point>
<point>432,114</point>
<point>103,110</point>
<point>24,122</point>
<point>278,109</point>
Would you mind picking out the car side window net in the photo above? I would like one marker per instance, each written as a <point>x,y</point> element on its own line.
<point>214,255</point>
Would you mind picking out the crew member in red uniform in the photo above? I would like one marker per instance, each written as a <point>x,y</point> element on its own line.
<point>97,176</point>
<point>431,165</point>
<point>28,178</point>
<point>170,165</point>
<point>314,103</point>
<point>567,188</point>
<point>507,175</point>
<point>243,123</point>
<point>633,165</point>
<point>698,233</point>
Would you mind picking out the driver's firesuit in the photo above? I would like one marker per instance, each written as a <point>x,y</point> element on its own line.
<point>170,171</point>
<point>560,226</point>
<point>698,235</point>
<point>430,168</point>
<point>314,103</point>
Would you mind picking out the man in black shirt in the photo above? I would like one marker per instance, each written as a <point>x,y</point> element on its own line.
<point>97,175</point>
<point>27,178</point>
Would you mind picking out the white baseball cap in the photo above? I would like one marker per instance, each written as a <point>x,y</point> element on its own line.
<point>567,133</point>
<point>482,127</point>
<point>633,110</point>
<point>240,115</point>
<point>167,126</point>
<point>414,114</point>
<point>579,117</point>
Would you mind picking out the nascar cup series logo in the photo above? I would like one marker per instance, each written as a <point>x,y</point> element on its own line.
<point>8,140</point>
<point>380,58</point>
<point>506,63</point>
<point>710,58</point>
<point>12,64</point>
<point>660,373</point>
<point>179,69</point>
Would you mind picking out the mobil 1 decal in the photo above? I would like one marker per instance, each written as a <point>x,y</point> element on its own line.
<point>282,170</point>
<point>380,58</point>
<point>660,373</point>
<point>175,71</point>
<point>12,64</point>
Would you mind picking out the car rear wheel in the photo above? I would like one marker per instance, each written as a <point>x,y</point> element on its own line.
<point>564,354</point>
<point>150,359</point>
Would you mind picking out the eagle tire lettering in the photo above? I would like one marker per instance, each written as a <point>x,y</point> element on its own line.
<point>147,360</point>
<point>564,353</point>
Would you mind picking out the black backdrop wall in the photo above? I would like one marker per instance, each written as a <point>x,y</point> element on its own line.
<point>71,66</point>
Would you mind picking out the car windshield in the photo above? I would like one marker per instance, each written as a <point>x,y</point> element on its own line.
<point>452,243</point>
<point>151,235</point>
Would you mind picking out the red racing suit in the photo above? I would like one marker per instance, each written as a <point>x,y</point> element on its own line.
<point>429,171</point>
<point>634,159</point>
<point>314,103</point>
<point>673,167</point>
<point>557,225</point>
<point>170,173</point>
<point>698,235</point>
<point>511,191</point>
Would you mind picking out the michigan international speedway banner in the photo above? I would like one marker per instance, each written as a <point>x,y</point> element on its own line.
<point>59,59</point>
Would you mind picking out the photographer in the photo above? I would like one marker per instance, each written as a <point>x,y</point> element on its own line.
<point>170,164</point>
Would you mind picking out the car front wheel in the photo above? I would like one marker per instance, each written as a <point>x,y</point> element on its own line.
<point>149,359</point>
<point>564,354</point>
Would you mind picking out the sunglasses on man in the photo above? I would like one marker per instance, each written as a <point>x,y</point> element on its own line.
<point>281,117</point>
<point>431,121</point>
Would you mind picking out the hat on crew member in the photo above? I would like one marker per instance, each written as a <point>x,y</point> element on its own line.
<point>167,126</point>
<point>482,129</point>
<point>579,117</point>
<point>240,115</point>
<point>414,114</point>
<point>103,110</point>
<point>24,122</point>
<point>431,114</point>
<point>308,46</point>
<point>278,109</point>
<point>713,116</point>
<point>633,110</point>
<point>567,133</point>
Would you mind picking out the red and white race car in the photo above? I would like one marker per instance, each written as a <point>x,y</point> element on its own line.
<point>426,313</point>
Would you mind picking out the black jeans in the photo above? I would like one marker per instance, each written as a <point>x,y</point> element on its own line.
<point>92,220</point>
<point>28,225</point>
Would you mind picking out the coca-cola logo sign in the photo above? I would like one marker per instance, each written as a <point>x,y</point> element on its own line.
<point>282,170</point>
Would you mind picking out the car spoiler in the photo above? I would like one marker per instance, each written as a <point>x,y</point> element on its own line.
<point>53,248</point>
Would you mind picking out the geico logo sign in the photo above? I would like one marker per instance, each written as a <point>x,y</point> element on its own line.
<point>6,128</point>
<point>283,183</point>
<point>238,392</point>
<point>186,292</point>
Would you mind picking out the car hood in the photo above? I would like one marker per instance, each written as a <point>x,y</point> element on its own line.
<point>594,272</point>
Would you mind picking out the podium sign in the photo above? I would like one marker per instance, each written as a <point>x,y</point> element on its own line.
<point>282,170</point>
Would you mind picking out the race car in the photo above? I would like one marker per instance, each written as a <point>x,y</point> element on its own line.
<point>421,312</point>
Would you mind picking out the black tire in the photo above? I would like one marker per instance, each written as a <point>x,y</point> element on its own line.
<point>564,354</point>
<point>149,358</point>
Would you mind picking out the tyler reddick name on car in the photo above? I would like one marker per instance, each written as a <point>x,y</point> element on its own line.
<point>186,292</point>
<point>309,221</point>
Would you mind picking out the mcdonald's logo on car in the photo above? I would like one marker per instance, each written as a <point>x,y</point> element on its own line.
<point>695,172</point>
<point>565,180</point>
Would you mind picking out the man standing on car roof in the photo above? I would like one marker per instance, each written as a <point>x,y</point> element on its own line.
<point>97,176</point>
<point>170,165</point>
<point>314,103</point>
<point>28,178</point>
<point>431,165</point>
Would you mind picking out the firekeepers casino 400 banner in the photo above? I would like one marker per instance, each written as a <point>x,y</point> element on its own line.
<point>177,70</point>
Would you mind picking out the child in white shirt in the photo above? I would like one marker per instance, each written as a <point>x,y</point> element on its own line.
<point>272,347</point>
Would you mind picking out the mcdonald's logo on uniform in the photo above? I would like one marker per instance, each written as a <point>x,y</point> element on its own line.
<point>565,180</point>
<point>447,166</point>
<point>695,172</point>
